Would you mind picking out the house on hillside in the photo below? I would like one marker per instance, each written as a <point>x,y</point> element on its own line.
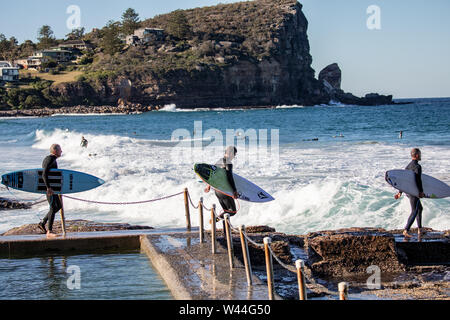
<point>76,44</point>
<point>8,73</point>
<point>58,55</point>
<point>145,35</point>
<point>31,62</point>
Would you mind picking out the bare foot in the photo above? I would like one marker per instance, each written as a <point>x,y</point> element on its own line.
<point>406,234</point>
<point>51,235</point>
<point>421,232</point>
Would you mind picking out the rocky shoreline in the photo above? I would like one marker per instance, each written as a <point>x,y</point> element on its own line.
<point>120,110</point>
<point>414,269</point>
<point>74,226</point>
<point>7,204</point>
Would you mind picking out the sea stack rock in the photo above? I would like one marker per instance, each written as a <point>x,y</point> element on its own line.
<point>331,76</point>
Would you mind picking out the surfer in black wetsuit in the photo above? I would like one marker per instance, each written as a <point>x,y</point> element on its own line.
<point>53,200</point>
<point>227,202</point>
<point>84,142</point>
<point>416,205</point>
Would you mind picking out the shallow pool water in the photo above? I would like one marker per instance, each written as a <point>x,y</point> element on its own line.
<point>119,276</point>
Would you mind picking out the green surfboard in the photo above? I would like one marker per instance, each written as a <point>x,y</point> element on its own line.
<point>216,177</point>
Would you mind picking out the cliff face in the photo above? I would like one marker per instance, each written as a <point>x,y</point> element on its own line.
<point>252,53</point>
<point>279,73</point>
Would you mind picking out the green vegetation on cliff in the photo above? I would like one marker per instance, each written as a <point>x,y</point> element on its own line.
<point>214,36</point>
<point>252,53</point>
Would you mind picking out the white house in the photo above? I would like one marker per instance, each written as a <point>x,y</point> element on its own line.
<point>8,73</point>
<point>145,35</point>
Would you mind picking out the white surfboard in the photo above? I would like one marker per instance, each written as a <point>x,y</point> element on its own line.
<point>61,181</point>
<point>405,181</point>
<point>216,178</point>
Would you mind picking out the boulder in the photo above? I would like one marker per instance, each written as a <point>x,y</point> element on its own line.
<point>7,204</point>
<point>330,78</point>
<point>347,252</point>
<point>332,75</point>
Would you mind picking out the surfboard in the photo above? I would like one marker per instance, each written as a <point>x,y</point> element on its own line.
<point>216,177</point>
<point>405,181</point>
<point>61,181</point>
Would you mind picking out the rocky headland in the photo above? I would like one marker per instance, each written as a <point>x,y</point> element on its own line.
<point>253,54</point>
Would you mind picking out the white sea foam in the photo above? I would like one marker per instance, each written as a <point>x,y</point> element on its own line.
<point>290,107</point>
<point>315,188</point>
<point>169,108</point>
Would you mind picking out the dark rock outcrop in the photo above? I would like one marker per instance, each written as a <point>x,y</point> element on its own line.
<point>74,226</point>
<point>345,252</point>
<point>349,252</point>
<point>129,108</point>
<point>330,77</point>
<point>6,204</point>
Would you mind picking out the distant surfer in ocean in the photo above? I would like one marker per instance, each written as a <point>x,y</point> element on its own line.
<point>416,205</point>
<point>227,202</point>
<point>53,200</point>
<point>84,142</point>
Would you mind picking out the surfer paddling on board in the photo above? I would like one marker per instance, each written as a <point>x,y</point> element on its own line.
<point>416,206</point>
<point>227,202</point>
<point>53,200</point>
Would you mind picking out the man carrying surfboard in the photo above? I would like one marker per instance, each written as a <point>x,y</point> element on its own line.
<point>416,205</point>
<point>53,200</point>
<point>227,202</point>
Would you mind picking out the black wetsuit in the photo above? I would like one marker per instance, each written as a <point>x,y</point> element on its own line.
<point>54,201</point>
<point>225,201</point>
<point>416,205</point>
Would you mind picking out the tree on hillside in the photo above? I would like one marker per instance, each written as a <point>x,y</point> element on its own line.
<point>178,25</point>
<point>46,37</point>
<point>13,49</point>
<point>76,34</point>
<point>111,43</point>
<point>27,48</point>
<point>9,49</point>
<point>130,21</point>
<point>4,46</point>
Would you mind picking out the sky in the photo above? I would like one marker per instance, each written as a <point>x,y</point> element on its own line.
<point>406,55</point>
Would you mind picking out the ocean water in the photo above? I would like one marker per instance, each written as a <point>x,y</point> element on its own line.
<point>324,165</point>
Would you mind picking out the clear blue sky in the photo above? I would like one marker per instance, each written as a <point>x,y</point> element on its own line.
<point>408,57</point>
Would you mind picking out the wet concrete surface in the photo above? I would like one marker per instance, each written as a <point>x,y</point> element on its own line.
<point>77,242</point>
<point>192,272</point>
<point>187,266</point>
